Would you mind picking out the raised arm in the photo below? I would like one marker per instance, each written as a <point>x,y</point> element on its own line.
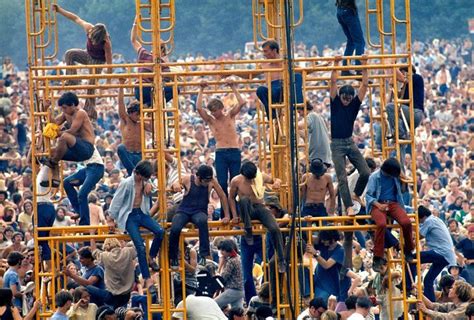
<point>134,36</point>
<point>108,55</point>
<point>73,17</point>
<point>121,104</point>
<point>365,79</point>
<point>203,113</point>
<point>241,102</point>
<point>333,83</point>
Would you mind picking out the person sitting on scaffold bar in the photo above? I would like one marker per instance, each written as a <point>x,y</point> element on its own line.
<point>249,186</point>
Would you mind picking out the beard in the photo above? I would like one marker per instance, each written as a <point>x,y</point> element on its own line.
<point>60,218</point>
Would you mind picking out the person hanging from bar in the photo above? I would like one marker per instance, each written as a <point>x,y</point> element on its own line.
<point>98,46</point>
<point>222,125</point>
<point>145,56</point>
<point>74,133</point>
<point>130,150</point>
<point>345,106</point>
<point>348,18</point>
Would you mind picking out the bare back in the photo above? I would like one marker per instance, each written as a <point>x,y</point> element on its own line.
<point>131,135</point>
<point>316,189</point>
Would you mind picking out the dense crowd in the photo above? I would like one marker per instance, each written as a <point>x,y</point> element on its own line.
<point>443,142</point>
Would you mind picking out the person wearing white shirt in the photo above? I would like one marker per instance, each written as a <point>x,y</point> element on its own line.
<point>317,307</point>
<point>200,308</point>
<point>86,179</point>
<point>362,309</point>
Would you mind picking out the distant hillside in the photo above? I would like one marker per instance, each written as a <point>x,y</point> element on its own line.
<point>216,26</point>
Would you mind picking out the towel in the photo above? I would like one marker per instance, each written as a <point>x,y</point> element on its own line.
<point>51,131</point>
<point>257,186</point>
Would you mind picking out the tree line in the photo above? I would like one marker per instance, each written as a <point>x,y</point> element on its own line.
<point>211,27</point>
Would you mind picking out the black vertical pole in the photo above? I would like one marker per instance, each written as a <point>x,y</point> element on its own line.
<point>293,141</point>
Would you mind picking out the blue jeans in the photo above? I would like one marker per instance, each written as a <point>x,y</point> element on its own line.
<point>248,253</point>
<point>86,179</point>
<point>138,219</point>
<point>46,217</point>
<point>101,297</point>
<point>140,301</point>
<point>227,165</point>
<point>128,159</point>
<point>277,94</point>
<point>438,263</point>
<point>350,23</point>
<point>148,97</point>
<point>178,223</point>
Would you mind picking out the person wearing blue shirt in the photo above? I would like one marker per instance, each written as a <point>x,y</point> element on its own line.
<point>92,277</point>
<point>63,301</point>
<point>440,251</point>
<point>384,197</point>
<point>330,256</point>
<point>11,280</point>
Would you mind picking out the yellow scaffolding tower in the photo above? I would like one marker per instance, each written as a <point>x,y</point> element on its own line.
<point>156,21</point>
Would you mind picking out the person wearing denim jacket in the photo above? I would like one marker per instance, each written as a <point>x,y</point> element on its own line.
<point>130,208</point>
<point>384,197</point>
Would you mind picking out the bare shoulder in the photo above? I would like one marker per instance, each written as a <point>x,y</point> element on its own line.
<point>82,113</point>
<point>235,180</point>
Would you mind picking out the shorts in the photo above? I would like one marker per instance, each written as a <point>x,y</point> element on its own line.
<point>81,151</point>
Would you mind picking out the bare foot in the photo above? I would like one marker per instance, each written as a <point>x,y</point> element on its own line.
<point>350,212</point>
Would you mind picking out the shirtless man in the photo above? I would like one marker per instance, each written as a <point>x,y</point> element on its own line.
<point>76,141</point>
<point>130,150</point>
<point>130,208</point>
<point>249,186</point>
<point>316,184</point>
<point>222,125</point>
<point>271,50</point>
